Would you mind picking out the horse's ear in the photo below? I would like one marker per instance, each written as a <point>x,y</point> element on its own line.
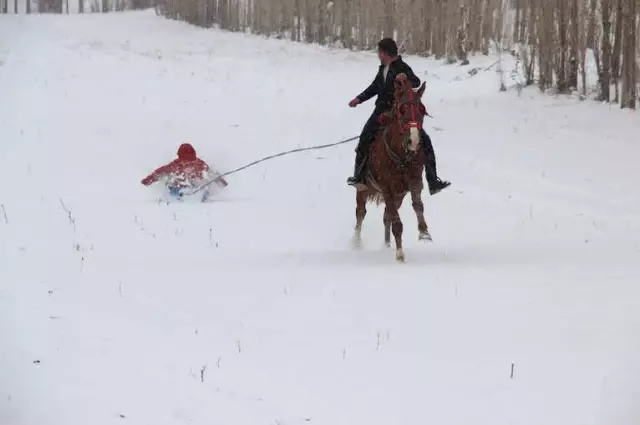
<point>421,89</point>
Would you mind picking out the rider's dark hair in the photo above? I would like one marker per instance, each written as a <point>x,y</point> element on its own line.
<point>388,46</point>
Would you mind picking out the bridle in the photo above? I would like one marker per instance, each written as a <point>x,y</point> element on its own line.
<point>415,107</point>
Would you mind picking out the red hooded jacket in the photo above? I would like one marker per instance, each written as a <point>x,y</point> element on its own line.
<point>187,170</point>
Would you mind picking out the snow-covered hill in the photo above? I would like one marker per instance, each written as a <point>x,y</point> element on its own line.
<point>255,309</point>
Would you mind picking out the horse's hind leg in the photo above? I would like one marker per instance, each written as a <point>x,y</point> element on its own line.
<point>418,208</point>
<point>361,212</point>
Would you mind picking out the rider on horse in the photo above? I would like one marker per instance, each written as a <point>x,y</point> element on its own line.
<point>383,87</point>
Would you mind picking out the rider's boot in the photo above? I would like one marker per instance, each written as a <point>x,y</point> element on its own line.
<point>358,172</point>
<point>435,184</point>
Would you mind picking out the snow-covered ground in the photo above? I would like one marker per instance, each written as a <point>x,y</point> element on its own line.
<point>255,309</point>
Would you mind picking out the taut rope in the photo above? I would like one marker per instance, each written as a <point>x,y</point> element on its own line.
<point>266,158</point>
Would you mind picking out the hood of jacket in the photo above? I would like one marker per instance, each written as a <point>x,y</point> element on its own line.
<point>186,151</point>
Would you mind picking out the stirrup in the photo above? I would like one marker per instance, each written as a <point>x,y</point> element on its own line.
<point>358,184</point>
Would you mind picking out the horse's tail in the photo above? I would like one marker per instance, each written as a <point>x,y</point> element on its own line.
<point>373,196</point>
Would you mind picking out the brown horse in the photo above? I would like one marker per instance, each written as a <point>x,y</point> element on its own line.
<point>396,163</point>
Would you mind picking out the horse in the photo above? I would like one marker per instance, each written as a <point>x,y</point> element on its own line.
<point>395,166</point>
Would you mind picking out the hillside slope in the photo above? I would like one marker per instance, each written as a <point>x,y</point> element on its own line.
<point>255,309</point>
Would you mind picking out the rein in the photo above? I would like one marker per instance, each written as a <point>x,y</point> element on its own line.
<point>401,161</point>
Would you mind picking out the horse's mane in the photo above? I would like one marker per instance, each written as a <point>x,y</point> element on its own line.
<point>399,90</point>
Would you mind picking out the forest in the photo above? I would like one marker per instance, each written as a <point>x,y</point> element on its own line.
<point>553,39</point>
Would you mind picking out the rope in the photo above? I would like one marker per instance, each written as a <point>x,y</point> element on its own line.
<point>267,158</point>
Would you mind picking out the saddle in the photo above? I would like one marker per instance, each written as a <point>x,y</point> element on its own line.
<point>369,182</point>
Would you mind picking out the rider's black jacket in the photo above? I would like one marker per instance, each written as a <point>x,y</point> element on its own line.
<point>384,88</point>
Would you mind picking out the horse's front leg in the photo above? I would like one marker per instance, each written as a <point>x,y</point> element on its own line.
<point>387,228</point>
<point>361,212</point>
<point>418,208</point>
<point>387,225</point>
<point>393,203</point>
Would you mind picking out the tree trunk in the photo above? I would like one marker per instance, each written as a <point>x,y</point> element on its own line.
<point>322,24</point>
<point>524,21</point>
<point>388,18</point>
<point>517,23</point>
<point>629,77</point>
<point>308,22</point>
<point>617,50</point>
<point>605,76</point>
<point>562,85</point>
<point>299,35</point>
<point>546,32</point>
<point>591,32</point>
<point>463,34</point>
<point>487,26</point>
<point>574,40</point>
<point>532,41</point>
<point>223,14</point>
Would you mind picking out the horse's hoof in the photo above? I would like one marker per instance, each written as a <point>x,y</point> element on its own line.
<point>356,242</point>
<point>387,244</point>
<point>400,256</point>
<point>425,236</point>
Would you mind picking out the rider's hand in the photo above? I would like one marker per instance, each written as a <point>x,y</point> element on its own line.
<point>355,102</point>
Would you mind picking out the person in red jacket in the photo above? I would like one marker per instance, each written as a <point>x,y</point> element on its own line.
<point>188,171</point>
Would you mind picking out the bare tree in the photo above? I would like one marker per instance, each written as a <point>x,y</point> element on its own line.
<point>605,74</point>
<point>617,50</point>
<point>574,45</point>
<point>553,36</point>
<point>629,69</point>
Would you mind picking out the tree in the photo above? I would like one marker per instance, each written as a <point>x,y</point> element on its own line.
<point>629,65</point>
<point>605,74</point>
<point>552,36</point>
<point>561,69</point>
<point>575,51</point>
<point>617,49</point>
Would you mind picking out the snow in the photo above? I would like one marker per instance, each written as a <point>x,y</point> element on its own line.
<point>255,308</point>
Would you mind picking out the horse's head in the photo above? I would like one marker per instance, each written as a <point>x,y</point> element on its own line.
<point>409,110</point>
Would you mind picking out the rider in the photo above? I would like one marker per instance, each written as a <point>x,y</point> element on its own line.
<point>383,87</point>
